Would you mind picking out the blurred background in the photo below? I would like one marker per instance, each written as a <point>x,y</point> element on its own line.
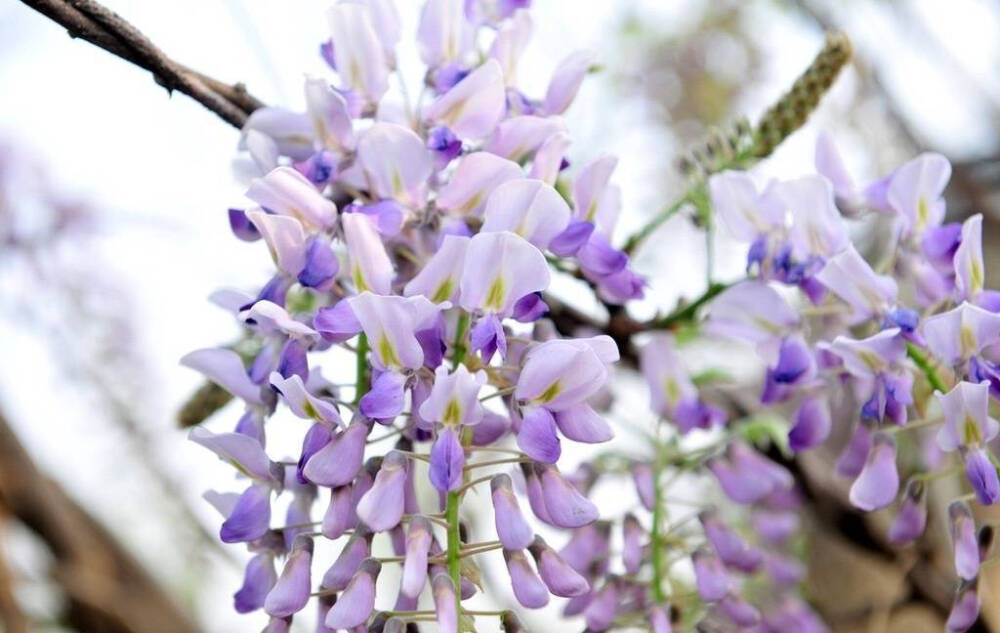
<point>113,232</point>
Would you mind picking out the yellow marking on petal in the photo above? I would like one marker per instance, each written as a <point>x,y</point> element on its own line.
<point>496,294</point>
<point>970,431</point>
<point>443,292</point>
<point>311,411</point>
<point>923,213</point>
<point>388,353</point>
<point>871,359</point>
<point>766,325</point>
<point>672,390</point>
<point>549,394</point>
<point>397,183</point>
<point>968,341</point>
<point>452,412</point>
<point>359,280</point>
<point>976,278</point>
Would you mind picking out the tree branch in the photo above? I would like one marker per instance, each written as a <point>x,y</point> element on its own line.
<point>107,589</point>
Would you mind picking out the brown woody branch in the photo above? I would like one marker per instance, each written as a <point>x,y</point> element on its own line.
<point>108,591</point>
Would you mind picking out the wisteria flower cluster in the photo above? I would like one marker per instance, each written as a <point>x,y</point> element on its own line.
<point>421,237</point>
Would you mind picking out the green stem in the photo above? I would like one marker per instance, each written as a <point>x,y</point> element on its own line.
<point>654,223</point>
<point>924,364</point>
<point>361,379</point>
<point>454,553</point>
<point>689,311</point>
<point>657,543</point>
<point>463,325</point>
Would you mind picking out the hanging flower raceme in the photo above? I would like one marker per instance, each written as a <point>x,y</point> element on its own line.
<point>424,290</point>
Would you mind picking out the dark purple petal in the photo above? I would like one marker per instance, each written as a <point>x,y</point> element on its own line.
<point>598,257</point>
<point>812,424</point>
<point>337,323</point>
<point>321,264</point>
<point>530,308</point>
<point>250,517</point>
<point>258,579</point>
<point>487,337</point>
<point>447,461</point>
<point>242,227</point>
<point>572,239</point>
<point>293,361</point>
<point>982,476</point>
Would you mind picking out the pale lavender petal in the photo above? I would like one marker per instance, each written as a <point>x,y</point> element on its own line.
<point>582,424</point>
<point>418,542</point>
<point>225,368</point>
<point>287,192</point>
<point>560,578</point>
<point>355,605</point>
<point>751,311</point>
<point>711,579</point>
<point>445,606</point>
<point>243,452</point>
<point>337,323</point>
<point>340,515</point>
<point>564,504</point>
<point>878,482</point>
<point>566,81</point>
<point>291,593</point>
<point>513,530</point>
<point>348,562</point>
<point>537,436</point>
<point>964,541</point>
<point>439,279</point>
<point>381,508</point>
<point>474,179</point>
<point>518,137</point>
<point>500,268</point>
<point>338,462</point>
<point>357,51</point>
<point>396,163</point>
<point>454,399</point>
<point>474,106</point>
<point>528,588</point>
<point>386,398</point>
<point>916,188</point>
<point>530,208</point>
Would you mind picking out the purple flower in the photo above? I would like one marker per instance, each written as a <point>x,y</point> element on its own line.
<point>528,588</point>
<point>915,192</point>
<point>258,579</point>
<point>911,519</point>
<point>752,312</point>
<point>566,81</point>
<point>447,461</point>
<point>529,208</point>
<point>961,333</point>
<point>291,592</point>
<point>812,424</point>
<point>340,573</point>
<point>711,579</point>
<point>338,462</point>
<point>286,192</point>
<point>354,606</point>
<point>418,543</point>
<point>475,177</point>
<point>500,268</point>
<point>513,530</point>
<point>558,575</point>
<point>964,541</point>
<point>878,481</point>
<point>358,53</point>
<point>381,507</point>
<point>565,506</point>
<point>474,106</point>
